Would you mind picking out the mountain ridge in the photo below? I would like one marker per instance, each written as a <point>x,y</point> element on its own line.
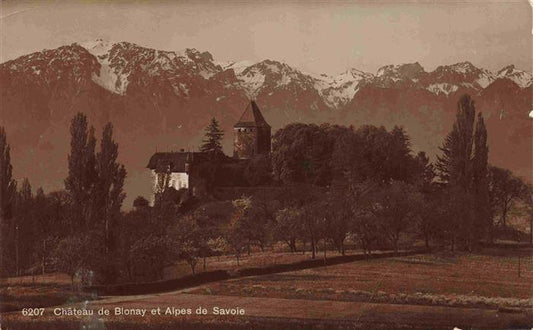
<point>336,91</point>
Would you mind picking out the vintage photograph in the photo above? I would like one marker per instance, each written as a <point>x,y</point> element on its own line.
<point>242,164</point>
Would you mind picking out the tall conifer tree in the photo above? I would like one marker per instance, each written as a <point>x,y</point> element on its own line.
<point>463,167</point>
<point>213,137</point>
<point>455,165</point>
<point>480,175</point>
<point>111,175</point>
<point>81,171</point>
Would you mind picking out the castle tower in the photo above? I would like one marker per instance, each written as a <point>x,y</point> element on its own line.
<point>251,134</point>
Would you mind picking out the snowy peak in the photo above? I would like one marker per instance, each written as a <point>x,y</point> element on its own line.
<point>463,74</point>
<point>462,67</point>
<point>98,47</point>
<point>507,70</point>
<point>399,76</point>
<point>70,64</point>
<point>521,78</point>
<point>237,67</point>
<point>352,75</point>
<point>271,67</point>
<point>119,61</point>
<point>402,71</point>
<point>338,91</point>
<point>269,75</point>
<point>195,55</point>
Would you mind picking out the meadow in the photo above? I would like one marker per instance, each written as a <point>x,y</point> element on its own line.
<point>487,279</point>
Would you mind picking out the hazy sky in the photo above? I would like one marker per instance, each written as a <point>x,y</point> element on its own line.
<point>321,37</point>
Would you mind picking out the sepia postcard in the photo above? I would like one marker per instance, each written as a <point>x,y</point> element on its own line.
<point>242,164</point>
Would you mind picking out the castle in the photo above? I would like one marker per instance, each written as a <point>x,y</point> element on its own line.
<point>184,169</point>
<point>251,134</point>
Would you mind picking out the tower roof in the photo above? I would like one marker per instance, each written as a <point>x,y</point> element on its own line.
<point>252,117</point>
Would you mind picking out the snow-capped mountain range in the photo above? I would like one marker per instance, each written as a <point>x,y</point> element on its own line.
<point>117,61</point>
<point>165,98</point>
<point>252,77</point>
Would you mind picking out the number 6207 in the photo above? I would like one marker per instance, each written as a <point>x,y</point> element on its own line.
<point>32,311</point>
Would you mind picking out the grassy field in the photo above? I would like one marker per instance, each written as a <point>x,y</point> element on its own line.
<point>488,280</point>
<point>39,291</point>
<point>228,262</point>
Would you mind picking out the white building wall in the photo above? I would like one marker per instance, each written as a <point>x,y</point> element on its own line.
<point>177,180</point>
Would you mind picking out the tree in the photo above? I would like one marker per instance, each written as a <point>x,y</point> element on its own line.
<point>24,226</point>
<point>306,199</point>
<point>455,165</point>
<point>316,155</point>
<point>236,234</point>
<point>42,226</point>
<point>301,154</point>
<point>8,189</point>
<point>454,207</point>
<point>365,229</point>
<point>505,190</point>
<point>528,201</point>
<point>82,175</point>
<point>480,178</point>
<point>363,225</point>
<point>148,256</point>
<point>95,185</point>
<point>136,224</point>
<point>312,218</point>
<point>426,216</point>
<point>393,207</point>
<point>217,245</point>
<point>140,202</point>
<point>288,226</point>
<point>463,171</point>
<point>212,140</point>
<point>425,209</point>
<point>425,172</point>
<point>400,165</point>
<point>109,185</point>
<point>71,255</point>
<point>186,240</point>
<point>339,212</point>
<point>7,183</point>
